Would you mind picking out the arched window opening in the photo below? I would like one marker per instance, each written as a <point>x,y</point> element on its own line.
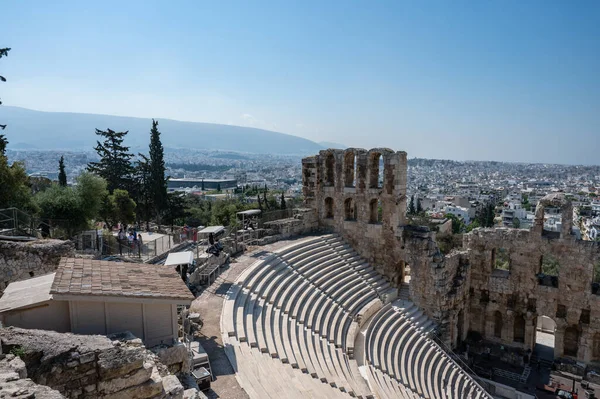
<point>519,329</point>
<point>350,169</point>
<point>349,209</point>
<point>571,341</point>
<point>329,169</point>
<point>374,175</point>
<point>329,208</point>
<point>375,211</point>
<point>498,324</point>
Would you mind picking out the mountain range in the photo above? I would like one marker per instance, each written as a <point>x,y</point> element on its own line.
<point>30,129</point>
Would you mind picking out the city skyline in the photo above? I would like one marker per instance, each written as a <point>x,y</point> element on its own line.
<point>507,82</point>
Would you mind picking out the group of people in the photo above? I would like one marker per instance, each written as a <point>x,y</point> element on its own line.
<point>131,239</point>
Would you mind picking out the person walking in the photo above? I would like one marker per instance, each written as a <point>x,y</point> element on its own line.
<point>139,243</point>
<point>121,239</point>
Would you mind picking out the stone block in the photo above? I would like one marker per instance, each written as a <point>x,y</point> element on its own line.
<point>119,361</point>
<point>149,389</point>
<point>137,377</point>
<point>173,388</point>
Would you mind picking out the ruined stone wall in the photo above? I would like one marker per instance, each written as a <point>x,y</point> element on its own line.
<point>439,284</point>
<point>343,188</point>
<point>82,366</point>
<point>23,260</point>
<point>521,293</point>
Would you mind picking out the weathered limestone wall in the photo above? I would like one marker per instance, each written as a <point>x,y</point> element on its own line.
<point>343,188</point>
<point>23,260</point>
<point>88,366</point>
<point>517,293</point>
<point>439,284</point>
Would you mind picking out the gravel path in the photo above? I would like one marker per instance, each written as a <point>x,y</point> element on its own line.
<point>209,304</point>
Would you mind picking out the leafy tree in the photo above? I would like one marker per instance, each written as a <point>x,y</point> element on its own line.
<point>92,191</point>
<point>118,207</point>
<point>62,175</point>
<point>282,201</point>
<point>15,189</point>
<point>419,207</point>
<point>458,226</point>
<point>411,205</point>
<point>3,140</point>
<point>143,189</point>
<point>175,208</point>
<point>158,181</point>
<point>115,160</point>
<point>63,207</point>
<point>516,223</point>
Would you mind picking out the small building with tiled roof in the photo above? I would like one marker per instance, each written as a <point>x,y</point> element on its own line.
<point>108,297</point>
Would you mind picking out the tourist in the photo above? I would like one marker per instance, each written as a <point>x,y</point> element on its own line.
<point>139,243</point>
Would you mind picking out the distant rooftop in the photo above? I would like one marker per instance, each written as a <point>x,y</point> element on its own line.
<point>96,278</point>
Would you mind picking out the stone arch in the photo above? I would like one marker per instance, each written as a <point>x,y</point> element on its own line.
<point>329,169</point>
<point>349,209</point>
<point>349,169</point>
<point>497,324</point>
<point>571,341</point>
<point>375,211</point>
<point>554,200</point>
<point>519,329</point>
<point>374,159</point>
<point>329,208</point>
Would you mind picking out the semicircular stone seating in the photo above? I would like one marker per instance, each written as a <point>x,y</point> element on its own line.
<point>290,320</point>
<point>404,362</point>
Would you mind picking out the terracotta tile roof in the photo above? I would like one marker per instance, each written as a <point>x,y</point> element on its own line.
<point>87,277</point>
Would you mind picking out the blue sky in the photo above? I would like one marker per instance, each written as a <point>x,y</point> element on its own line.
<point>486,80</point>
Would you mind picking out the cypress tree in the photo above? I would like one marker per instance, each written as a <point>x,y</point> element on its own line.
<point>158,181</point>
<point>115,160</point>
<point>411,205</point>
<point>282,201</point>
<point>419,207</point>
<point>62,175</point>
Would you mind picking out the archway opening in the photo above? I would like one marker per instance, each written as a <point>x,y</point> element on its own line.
<point>374,170</point>
<point>329,169</point>
<point>460,325</point>
<point>497,324</point>
<point>349,169</point>
<point>329,208</point>
<point>545,338</point>
<point>349,209</point>
<point>571,341</point>
<point>519,329</point>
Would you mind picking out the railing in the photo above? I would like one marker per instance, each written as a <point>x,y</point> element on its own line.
<point>454,357</point>
<point>15,222</point>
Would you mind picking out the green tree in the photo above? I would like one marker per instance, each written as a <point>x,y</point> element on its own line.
<point>218,187</point>
<point>419,207</point>
<point>143,189</point>
<point>3,140</point>
<point>62,175</point>
<point>15,190</point>
<point>115,160</point>
<point>118,207</point>
<point>158,181</point>
<point>92,192</point>
<point>516,223</point>
<point>175,208</point>
<point>282,201</point>
<point>63,207</point>
<point>458,226</point>
<point>411,205</point>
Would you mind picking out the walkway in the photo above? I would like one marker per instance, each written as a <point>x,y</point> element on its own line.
<point>210,304</point>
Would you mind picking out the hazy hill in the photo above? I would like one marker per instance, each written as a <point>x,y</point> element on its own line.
<point>29,129</point>
<point>330,144</point>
